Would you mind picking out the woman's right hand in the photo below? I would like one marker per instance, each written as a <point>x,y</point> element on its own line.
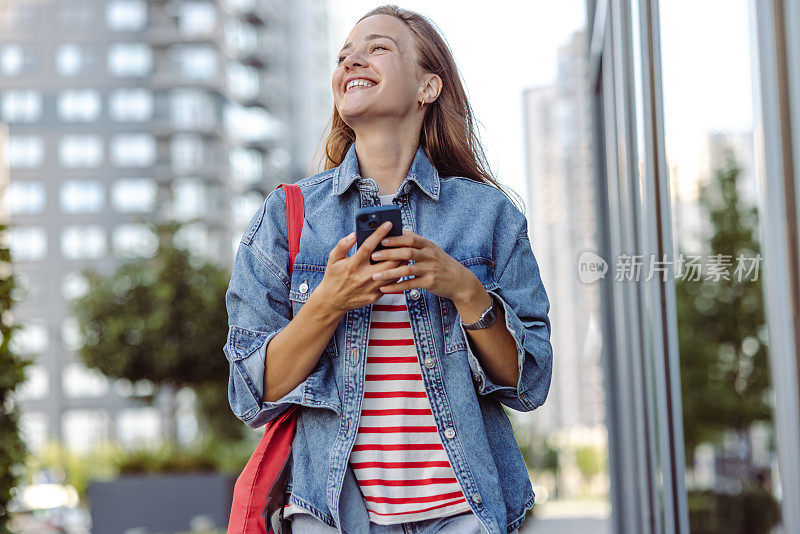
<point>347,283</point>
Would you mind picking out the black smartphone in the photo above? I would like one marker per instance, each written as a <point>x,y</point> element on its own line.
<point>371,217</point>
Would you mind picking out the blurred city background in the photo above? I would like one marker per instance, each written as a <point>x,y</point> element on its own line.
<point>138,138</point>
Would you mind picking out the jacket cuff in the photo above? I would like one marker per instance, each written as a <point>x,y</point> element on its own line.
<point>515,397</point>
<point>246,351</point>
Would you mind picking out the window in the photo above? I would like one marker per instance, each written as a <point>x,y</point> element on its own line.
<point>195,62</point>
<point>83,151</point>
<point>36,385</point>
<point>74,59</point>
<point>17,60</point>
<point>79,381</point>
<point>81,196</point>
<point>135,241</point>
<point>31,338</point>
<point>134,195</point>
<point>240,36</point>
<point>243,81</point>
<point>27,243</point>
<point>33,430</point>
<point>76,14</point>
<point>251,123</point>
<point>138,427</point>
<point>196,18</point>
<point>133,150</point>
<point>246,164</point>
<point>79,105</point>
<point>21,106</point>
<point>16,16</point>
<point>83,242</point>
<point>129,59</point>
<point>131,104</point>
<point>84,430</point>
<point>141,388</point>
<point>188,153</point>
<point>242,5</point>
<point>196,238</point>
<point>25,151</point>
<point>70,334</point>
<point>244,206</point>
<point>74,285</point>
<point>24,197</point>
<point>126,15</point>
<point>188,198</point>
<point>191,108</point>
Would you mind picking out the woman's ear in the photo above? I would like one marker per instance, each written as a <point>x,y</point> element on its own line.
<point>430,88</point>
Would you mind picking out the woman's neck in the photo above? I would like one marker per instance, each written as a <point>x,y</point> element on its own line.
<point>386,160</point>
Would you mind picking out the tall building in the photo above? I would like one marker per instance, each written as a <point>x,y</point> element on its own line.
<point>127,111</point>
<point>562,226</point>
<point>691,226</point>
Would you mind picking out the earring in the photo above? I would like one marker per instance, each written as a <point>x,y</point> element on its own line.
<point>421,103</point>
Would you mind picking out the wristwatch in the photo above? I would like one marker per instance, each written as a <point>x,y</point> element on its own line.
<point>487,318</point>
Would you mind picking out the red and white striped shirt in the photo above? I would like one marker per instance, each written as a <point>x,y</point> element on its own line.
<point>398,458</point>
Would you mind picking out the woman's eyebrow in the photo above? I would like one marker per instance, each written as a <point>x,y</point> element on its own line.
<point>371,37</point>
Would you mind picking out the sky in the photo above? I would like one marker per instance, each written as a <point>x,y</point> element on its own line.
<point>499,51</point>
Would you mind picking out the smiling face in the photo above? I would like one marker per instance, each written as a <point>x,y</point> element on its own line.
<point>380,57</point>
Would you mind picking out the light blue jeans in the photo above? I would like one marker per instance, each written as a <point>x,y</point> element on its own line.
<point>463,523</point>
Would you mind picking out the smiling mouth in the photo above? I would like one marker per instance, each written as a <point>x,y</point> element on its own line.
<point>360,85</point>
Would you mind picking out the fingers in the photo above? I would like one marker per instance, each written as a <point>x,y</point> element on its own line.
<point>339,252</point>
<point>372,241</point>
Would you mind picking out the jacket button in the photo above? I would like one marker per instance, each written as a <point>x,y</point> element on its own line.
<point>414,293</point>
<point>477,498</point>
<point>304,287</point>
<point>429,362</point>
<point>449,432</point>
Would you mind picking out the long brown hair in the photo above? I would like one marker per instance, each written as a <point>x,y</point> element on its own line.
<point>449,135</point>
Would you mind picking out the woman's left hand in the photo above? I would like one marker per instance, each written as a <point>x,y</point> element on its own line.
<point>433,269</point>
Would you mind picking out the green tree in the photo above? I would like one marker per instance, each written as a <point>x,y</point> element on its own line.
<point>723,350</point>
<point>163,319</point>
<point>12,373</point>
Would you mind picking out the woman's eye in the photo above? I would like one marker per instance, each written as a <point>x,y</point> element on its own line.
<point>375,47</point>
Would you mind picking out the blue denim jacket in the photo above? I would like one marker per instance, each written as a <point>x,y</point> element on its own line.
<point>473,222</point>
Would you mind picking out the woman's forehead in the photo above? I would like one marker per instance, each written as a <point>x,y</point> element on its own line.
<point>385,25</point>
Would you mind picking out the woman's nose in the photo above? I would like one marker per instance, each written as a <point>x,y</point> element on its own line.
<point>353,59</point>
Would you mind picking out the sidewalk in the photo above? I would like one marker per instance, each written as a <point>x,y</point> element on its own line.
<point>570,517</point>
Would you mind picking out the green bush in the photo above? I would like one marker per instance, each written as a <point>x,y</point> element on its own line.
<point>754,511</point>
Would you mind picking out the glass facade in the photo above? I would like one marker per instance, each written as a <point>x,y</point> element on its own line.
<point>697,185</point>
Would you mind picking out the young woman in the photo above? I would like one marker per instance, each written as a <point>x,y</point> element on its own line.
<point>400,369</point>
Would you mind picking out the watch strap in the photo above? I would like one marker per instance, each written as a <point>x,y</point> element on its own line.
<point>486,319</point>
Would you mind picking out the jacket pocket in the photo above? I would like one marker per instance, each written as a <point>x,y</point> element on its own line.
<point>483,269</point>
<point>305,279</point>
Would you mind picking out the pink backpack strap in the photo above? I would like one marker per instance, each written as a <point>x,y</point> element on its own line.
<point>295,215</point>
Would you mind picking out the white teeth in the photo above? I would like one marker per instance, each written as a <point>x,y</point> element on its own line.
<point>360,81</point>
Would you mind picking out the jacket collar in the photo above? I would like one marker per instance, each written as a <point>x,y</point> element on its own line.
<point>422,172</point>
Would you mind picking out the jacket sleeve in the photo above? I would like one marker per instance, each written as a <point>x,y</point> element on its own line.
<point>526,308</point>
<point>258,306</point>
